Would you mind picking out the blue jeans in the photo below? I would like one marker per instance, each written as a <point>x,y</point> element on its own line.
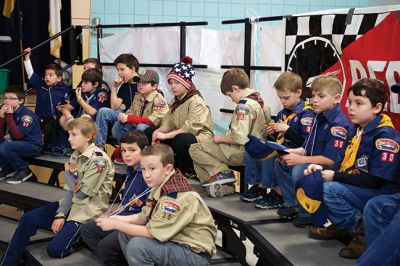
<point>145,251</point>
<point>13,153</point>
<point>259,172</point>
<point>346,202</point>
<point>287,177</point>
<point>120,129</point>
<point>62,245</point>
<point>382,228</point>
<point>105,117</point>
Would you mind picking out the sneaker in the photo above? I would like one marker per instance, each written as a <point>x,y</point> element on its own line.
<point>331,232</point>
<point>254,193</point>
<point>6,172</point>
<point>223,177</point>
<point>270,201</point>
<point>116,156</point>
<point>20,176</point>
<point>302,221</point>
<point>288,213</point>
<point>58,151</point>
<point>220,190</point>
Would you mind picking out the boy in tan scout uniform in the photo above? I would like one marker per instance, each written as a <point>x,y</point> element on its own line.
<point>188,120</point>
<point>148,107</point>
<point>211,159</point>
<point>175,227</point>
<point>88,176</point>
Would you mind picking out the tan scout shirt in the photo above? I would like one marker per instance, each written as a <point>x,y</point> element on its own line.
<point>248,119</point>
<point>95,173</point>
<point>193,116</point>
<point>185,220</point>
<point>155,108</point>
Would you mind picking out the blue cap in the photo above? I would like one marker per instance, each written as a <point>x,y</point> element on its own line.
<point>258,149</point>
<point>309,192</point>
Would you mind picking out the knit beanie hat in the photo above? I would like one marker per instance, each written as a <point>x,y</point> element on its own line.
<point>183,72</point>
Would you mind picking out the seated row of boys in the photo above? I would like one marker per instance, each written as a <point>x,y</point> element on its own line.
<point>159,220</point>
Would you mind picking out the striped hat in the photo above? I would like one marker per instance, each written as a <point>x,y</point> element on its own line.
<point>183,72</point>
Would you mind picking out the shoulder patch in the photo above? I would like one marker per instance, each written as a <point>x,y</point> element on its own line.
<point>387,145</point>
<point>307,121</point>
<point>339,132</point>
<point>99,153</point>
<point>26,120</point>
<point>243,101</point>
<point>159,105</point>
<point>241,112</point>
<point>100,164</point>
<point>170,206</point>
<point>102,97</point>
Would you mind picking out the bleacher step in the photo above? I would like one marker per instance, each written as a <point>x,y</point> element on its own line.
<point>82,257</point>
<point>8,226</point>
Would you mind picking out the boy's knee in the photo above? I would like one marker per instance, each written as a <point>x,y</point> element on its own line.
<point>55,251</point>
<point>137,246</point>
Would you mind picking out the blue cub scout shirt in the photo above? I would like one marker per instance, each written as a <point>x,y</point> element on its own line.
<point>301,123</point>
<point>47,98</point>
<point>134,185</point>
<point>98,99</point>
<point>328,136</point>
<point>378,153</point>
<point>28,123</point>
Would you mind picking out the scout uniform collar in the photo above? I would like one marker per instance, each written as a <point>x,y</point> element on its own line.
<point>87,153</point>
<point>332,114</point>
<point>350,156</point>
<point>175,182</point>
<point>149,97</point>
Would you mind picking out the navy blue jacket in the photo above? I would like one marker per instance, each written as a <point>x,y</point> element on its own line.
<point>134,185</point>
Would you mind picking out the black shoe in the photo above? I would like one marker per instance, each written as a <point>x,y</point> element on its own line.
<point>6,172</point>
<point>20,176</point>
<point>271,201</point>
<point>288,213</point>
<point>302,222</point>
<point>254,193</point>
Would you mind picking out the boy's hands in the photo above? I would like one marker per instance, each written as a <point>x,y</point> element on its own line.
<point>280,127</point>
<point>327,175</point>
<point>292,159</point>
<point>57,225</point>
<point>78,92</point>
<point>117,82</point>
<point>5,109</point>
<point>27,57</point>
<point>270,129</point>
<point>107,223</point>
<point>312,168</point>
<point>123,118</point>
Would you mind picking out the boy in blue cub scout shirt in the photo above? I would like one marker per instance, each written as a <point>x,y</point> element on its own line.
<point>291,127</point>
<point>88,177</point>
<point>90,97</point>
<point>104,244</point>
<point>324,145</point>
<point>51,92</point>
<point>369,167</point>
<point>25,136</point>
<point>122,92</point>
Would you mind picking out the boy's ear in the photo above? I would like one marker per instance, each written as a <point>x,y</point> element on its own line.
<point>337,98</point>
<point>169,168</point>
<point>235,87</point>
<point>96,84</point>
<point>59,78</point>
<point>377,108</point>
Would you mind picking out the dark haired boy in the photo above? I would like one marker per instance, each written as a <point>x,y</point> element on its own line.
<point>175,227</point>
<point>105,243</point>
<point>211,160</point>
<point>369,167</point>
<point>122,92</point>
<point>50,92</point>
<point>90,97</point>
<point>25,137</point>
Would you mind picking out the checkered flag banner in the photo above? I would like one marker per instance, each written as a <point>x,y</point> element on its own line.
<point>353,43</point>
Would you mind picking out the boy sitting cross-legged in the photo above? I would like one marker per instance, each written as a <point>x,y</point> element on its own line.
<point>104,244</point>
<point>88,175</point>
<point>175,227</point>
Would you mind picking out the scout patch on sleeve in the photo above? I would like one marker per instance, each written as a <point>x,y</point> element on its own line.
<point>102,97</point>
<point>339,132</point>
<point>241,112</point>
<point>306,121</point>
<point>100,164</point>
<point>159,105</point>
<point>135,201</point>
<point>170,207</point>
<point>387,145</point>
<point>26,120</point>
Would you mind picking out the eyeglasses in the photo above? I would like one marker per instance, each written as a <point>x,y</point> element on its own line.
<point>10,98</point>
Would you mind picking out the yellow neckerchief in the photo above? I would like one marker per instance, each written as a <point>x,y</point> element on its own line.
<point>281,136</point>
<point>352,149</point>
